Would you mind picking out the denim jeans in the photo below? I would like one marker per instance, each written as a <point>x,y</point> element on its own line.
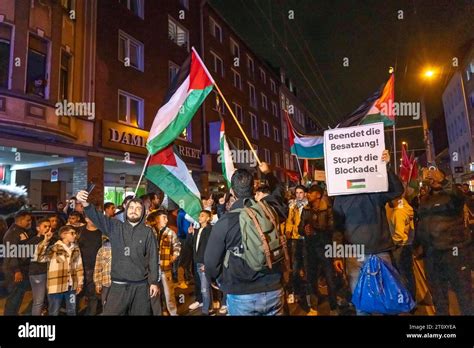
<point>89,293</point>
<point>16,292</point>
<point>296,248</point>
<point>263,303</point>
<point>206,290</point>
<point>55,301</point>
<point>38,288</point>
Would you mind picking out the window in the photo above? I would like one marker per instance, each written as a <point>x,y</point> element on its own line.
<point>216,29</point>
<point>237,80</point>
<point>37,76</point>
<point>252,96</point>
<point>239,143</point>
<point>130,110</point>
<point>263,76</point>
<point>266,130</point>
<point>184,3</point>
<point>273,86</point>
<point>250,66</point>
<point>238,112</point>
<point>277,159</point>
<point>234,48</point>
<point>264,102</point>
<point>254,126</point>
<point>172,71</point>
<point>287,161</point>
<point>68,5</point>
<point>130,51</point>
<point>267,156</point>
<point>285,131</point>
<point>5,44</point>
<point>276,134</point>
<point>64,76</point>
<point>136,6</point>
<point>274,109</point>
<point>178,34</point>
<point>218,64</point>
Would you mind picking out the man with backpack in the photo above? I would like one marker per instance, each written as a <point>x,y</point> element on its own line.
<point>250,277</point>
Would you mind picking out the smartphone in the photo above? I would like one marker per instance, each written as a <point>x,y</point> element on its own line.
<point>90,187</point>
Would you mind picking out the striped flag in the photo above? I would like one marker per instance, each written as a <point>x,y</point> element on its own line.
<point>168,171</point>
<point>225,157</point>
<point>355,183</point>
<point>189,88</point>
<point>304,146</point>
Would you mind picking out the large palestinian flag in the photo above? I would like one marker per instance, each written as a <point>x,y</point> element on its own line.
<point>377,108</point>
<point>168,171</point>
<point>188,90</point>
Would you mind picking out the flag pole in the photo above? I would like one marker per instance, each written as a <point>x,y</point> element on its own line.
<point>141,176</point>
<point>238,123</point>
<point>394,149</point>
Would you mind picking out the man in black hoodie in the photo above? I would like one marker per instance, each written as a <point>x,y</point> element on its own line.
<point>134,258</point>
<point>16,268</point>
<point>445,238</point>
<point>248,292</point>
<point>363,220</point>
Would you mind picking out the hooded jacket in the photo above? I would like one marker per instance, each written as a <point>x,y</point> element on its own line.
<point>362,217</point>
<point>441,221</point>
<point>134,249</point>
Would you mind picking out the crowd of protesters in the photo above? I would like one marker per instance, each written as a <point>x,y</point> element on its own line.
<point>130,260</point>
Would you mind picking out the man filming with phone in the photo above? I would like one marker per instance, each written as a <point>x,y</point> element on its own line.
<point>134,270</point>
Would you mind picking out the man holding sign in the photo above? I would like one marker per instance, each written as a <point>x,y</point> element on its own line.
<point>363,220</point>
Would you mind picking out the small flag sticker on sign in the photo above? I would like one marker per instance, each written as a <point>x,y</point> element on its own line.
<point>356,184</point>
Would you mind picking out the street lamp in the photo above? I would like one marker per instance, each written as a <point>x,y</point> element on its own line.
<point>428,74</point>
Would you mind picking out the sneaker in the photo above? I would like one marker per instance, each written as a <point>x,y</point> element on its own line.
<point>195,305</point>
<point>312,312</point>
<point>223,310</point>
<point>291,298</point>
<point>182,285</point>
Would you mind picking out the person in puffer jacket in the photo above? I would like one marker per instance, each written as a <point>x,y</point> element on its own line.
<point>445,239</point>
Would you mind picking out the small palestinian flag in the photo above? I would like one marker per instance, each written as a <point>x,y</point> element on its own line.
<point>189,88</point>
<point>356,184</point>
<point>226,157</point>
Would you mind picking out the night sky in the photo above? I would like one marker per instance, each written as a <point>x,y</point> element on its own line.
<point>369,33</point>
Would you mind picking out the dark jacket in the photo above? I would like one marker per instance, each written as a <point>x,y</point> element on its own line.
<point>38,267</point>
<point>318,220</point>
<point>441,221</point>
<point>134,249</point>
<point>239,278</point>
<point>362,217</point>
<point>198,255</point>
<point>17,235</point>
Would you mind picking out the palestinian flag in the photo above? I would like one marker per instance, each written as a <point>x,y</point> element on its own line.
<point>168,171</point>
<point>355,184</point>
<point>377,108</point>
<point>304,146</point>
<point>188,90</point>
<point>225,157</point>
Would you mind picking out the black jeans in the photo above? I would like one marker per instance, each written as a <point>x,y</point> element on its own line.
<point>296,248</point>
<point>89,293</point>
<point>450,268</point>
<point>16,293</point>
<point>314,261</point>
<point>403,260</point>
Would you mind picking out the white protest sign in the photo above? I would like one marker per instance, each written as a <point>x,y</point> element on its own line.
<point>352,159</point>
